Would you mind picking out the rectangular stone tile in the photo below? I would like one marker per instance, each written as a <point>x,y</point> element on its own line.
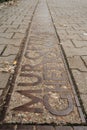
<point>70,52</point>
<point>80,127</point>
<point>81,44</point>
<point>84,101</point>
<point>10,50</point>
<point>19,35</point>
<point>81,80</point>
<point>4,79</point>
<point>9,59</point>
<point>44,127</point>
<point>15,42</point>
<point>63,128</point>
<point>21,30</point>
<point>25,127</point>
<point>1,92</point>
<point>76,62</point>
<point>6,35</point>
<point>84,59</point>
<point>67,44</point>
<point>2,29</point>
<point>7,127</point>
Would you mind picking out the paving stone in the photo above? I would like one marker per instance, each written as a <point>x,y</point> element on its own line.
<point>15,26</point>
<point>76,62</point>
<point>84,101</point>
<point>67,44</point>
<point>1,92</point>
<point>10,50</point>
<point>1,48</point>
<point>81,80</point>
<point>80,43</point>
<point>10,59</point>
<point>25,127</point>
<point>7,127</point>
<point>80,127</point>
<point>70,52</point>
<point>21,30</point>
<point>6,35</point>
<point>2,29</point>
<point>19,35</point>
<point>4,79</point>
<point>45,127</point>
<point>85,59</point>
<point>64,128</point>
<point>15,42</point>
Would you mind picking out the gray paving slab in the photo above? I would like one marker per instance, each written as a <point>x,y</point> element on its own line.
<point>80,127</point>
<point>1,92</point>
<point>10,50</point>
<point>1,48</point>
<point>77,63</point>
<point>7,59</point>
<point>4,79</point>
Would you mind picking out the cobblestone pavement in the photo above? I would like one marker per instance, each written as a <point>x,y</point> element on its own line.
<point>14,21</point>
<point>70,21</point>
<point>62,24</point>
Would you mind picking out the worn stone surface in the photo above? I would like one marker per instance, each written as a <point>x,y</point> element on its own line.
<point>76,62</point>
<point>69,19</point>
<point>0,92</point>
<point>8,59</point>
<point>64,128</point>
<point>3,79</point>
<point>85,60</point>
<point>10,50</point>
<point>81,80</point>
<point>1,48</point>
<point>12,32</point>
<point>80,127</point>
<point>42,86</point>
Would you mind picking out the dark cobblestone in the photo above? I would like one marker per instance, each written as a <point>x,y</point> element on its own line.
<point>7,127</point>
<point>40,127</point>
<point>45,128</point>
<point>25,127</point>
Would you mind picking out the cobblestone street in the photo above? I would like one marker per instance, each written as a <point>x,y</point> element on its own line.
<point>43,65</point>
